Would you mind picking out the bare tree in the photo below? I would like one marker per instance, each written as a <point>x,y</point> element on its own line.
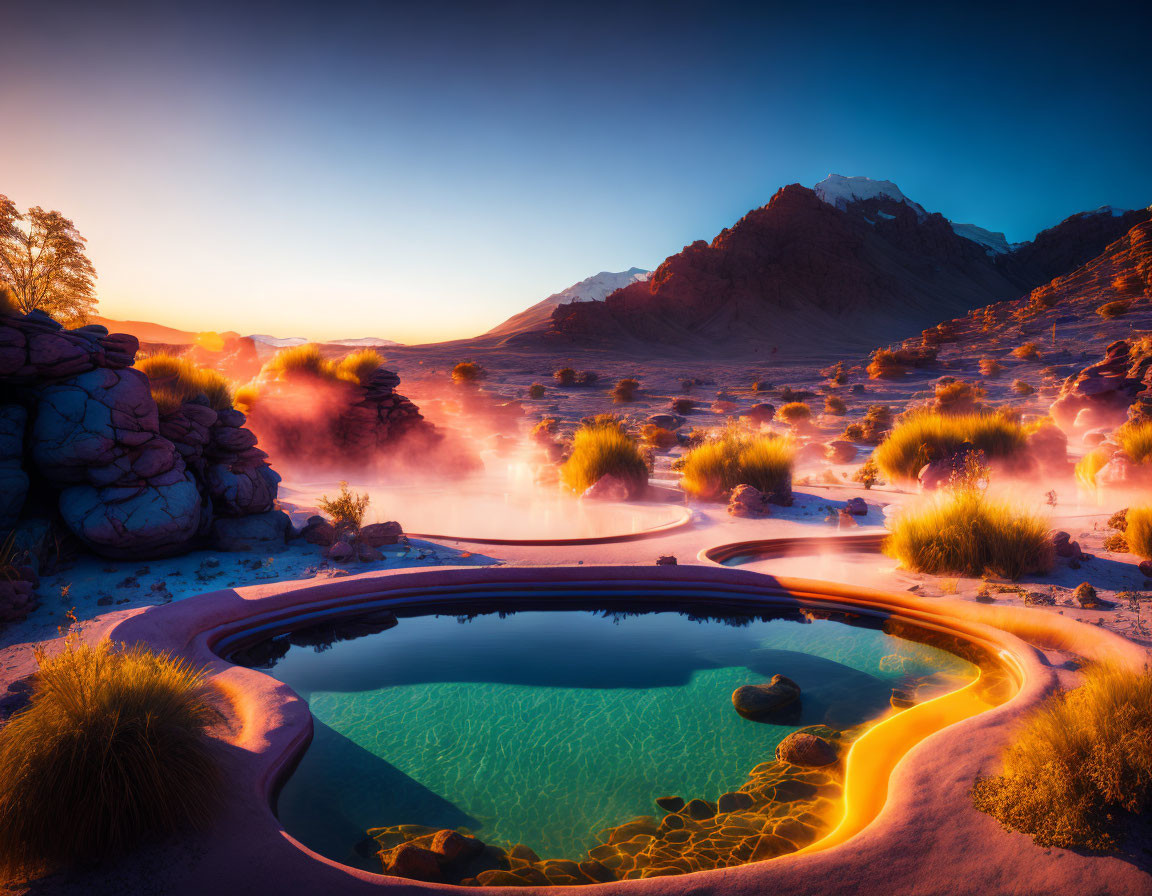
<point>43,262</point>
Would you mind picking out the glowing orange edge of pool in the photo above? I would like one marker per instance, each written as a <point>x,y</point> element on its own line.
<point>874,756</point>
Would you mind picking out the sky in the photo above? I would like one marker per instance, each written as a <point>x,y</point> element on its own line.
<point>422,171</point>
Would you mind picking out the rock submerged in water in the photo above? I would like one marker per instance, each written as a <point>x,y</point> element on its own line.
<point>808,750</point>
<point>757,700</point>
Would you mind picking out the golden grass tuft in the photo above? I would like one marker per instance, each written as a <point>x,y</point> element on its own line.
<point>1029,351</point>
<point>625,390</point>
<point>467,373</point>
<point>297,360</point>
<point>924,437</point>
<point>1091,464</point>
<point>1020,387</point>
<point>794,413</point>
<point>712,469</point>
<point>966,533</point>
<point>245,397</point>
<point>175,380</point>
<point>112,749</point>
<point>1080,762</point>
<point>1135,439</point>
<point>990,368</point>
<point>1138,532</point>
<point>958,397</point>
<point>358,367</point>
<point>603,449</point>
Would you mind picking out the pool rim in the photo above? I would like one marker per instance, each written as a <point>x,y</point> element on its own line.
<point>271,725</point>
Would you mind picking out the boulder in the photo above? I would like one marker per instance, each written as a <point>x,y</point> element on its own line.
<point>13,480</point>
<point>856,507</point>
<point>413,862</point>
<point>1099,395</point>
<point>1086,596</point>
<point>319,531</point>
<point>670,803</point>
<point>340,551</point>
<point>734,801</point>
<point>748,501</point>
<point>763,699</point>
<point>761,412</point>
<point>614,488</point>
<point>666,560</point>
<point>699,809</point>
<point>256,532</point>
<point>453,846</point>
<point>17,596</point>
<point>666,421</point>
<point>378,535</point>
<point>801,748</point>
<point>1145,568</point>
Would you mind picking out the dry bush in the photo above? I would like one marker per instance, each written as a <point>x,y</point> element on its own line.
<point>958,397</point>
<point>468,373</point>
<point>1022,388</point>
<point>1113,310</point>
<point>963,532</point>
<point>1029,351</point>
<point>346,509</point>
<point>658,436</point>
<point>1139,531</point>
<point>990,368</point>
<point>8,304</point>
<point>924,437</point>
<point>112,750</point>
<point>762,386</point>
<point>358,367</point>
<point>868,474</point>
<point>1136,441</point>
<point>545,430</point>
<point>625,390</point>
<point>565,376</point>
<point>682,405</point>
<point>603,450</point>
<point>298,360</point>
<point>175,380</point>
<point>1128,285</point>
<point>884,365</point>
<point>536,391</point>
<point>1079,764</point>
<point>835,406</point>
<point>794,413</point>
<point>587,378</point>
<point>735,458</point>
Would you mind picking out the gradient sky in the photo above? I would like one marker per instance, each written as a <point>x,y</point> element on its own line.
<point>421,171</point>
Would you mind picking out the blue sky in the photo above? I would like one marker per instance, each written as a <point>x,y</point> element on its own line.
<point>371,168</point>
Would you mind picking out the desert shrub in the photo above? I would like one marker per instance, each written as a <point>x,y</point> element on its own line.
<point>1043,297</point>
<point>174,380</point>
<point>601,450</point>
<point>1022,388</point>
<point>587,378</point>
<point>887,363</point>
<point>625,390</point>
<point>536,390</point>
<point>1112,310</point>
<point>682,405</point>
<point>717,466</point>
<point>762,386</point>
<point>868,474</point>
<point>924,437</point>
<point>565,376</point>
<point>835,406</point>
<point>990,368</point>
<point>1091,464</point>
<point>963,532</point>
<point>545,430</point>
<point>958,397</point>
<point>658,436</point>
<point>854,432</point>
<point>1136,441</point>
<point>358,367</point>
<point>606,419</point>
<point>468,373</point>
<point>346,509</point>
<point>1119,520</point>
<point>1080,762</point>
<point>298,360</point>
<point>1029,351</point>
<point>245,397</point>
<point>794,413</point>
<point>788,394</point>
<point>111,750</point>
<point>1139,531</point>
<point>837,374</point>
<point>1116,543</point>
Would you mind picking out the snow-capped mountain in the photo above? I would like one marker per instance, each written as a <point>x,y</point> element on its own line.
<point>840,191</point>
<point>290,341</point>
<point>278,341</point>
<point>591,289</point>
<point>993,243</point>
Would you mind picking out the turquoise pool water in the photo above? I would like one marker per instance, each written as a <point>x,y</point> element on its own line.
<point>543,727</point>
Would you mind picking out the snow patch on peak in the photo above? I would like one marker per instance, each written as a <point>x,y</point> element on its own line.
<point>1110,210</point>
<point>840,191</point>
<point>598,286</point>
<point>994,243</point>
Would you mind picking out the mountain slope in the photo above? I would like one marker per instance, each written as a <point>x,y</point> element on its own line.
<point>591,289</point>
<point>853,261</point>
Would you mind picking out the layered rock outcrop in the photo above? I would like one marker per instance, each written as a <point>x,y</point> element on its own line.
<point>76,417</point>
<point>1099,395</point>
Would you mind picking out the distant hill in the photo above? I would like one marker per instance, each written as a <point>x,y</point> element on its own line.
<point>591,289</point>
<point>154,333</point>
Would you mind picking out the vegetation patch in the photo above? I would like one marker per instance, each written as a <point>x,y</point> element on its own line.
<point>714,468</point>
<point>468,373</point>
<point>1029,351</point>
<point>1138,532</point>
<point>1080,765</point>
<point>1135,439</point>
<point>958,397</point>
<point>794,413</point>
<point>964,532</point>
<point>924,437</point>
<point>1113,310</point>
<point>347,509</point>
<point>835,406</point>
<point>175,380</point>
<point>603,449</point>
<point>625,390</point>
<point>112,749</point>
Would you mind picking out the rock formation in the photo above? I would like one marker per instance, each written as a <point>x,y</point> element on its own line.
<point>127,482</point>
